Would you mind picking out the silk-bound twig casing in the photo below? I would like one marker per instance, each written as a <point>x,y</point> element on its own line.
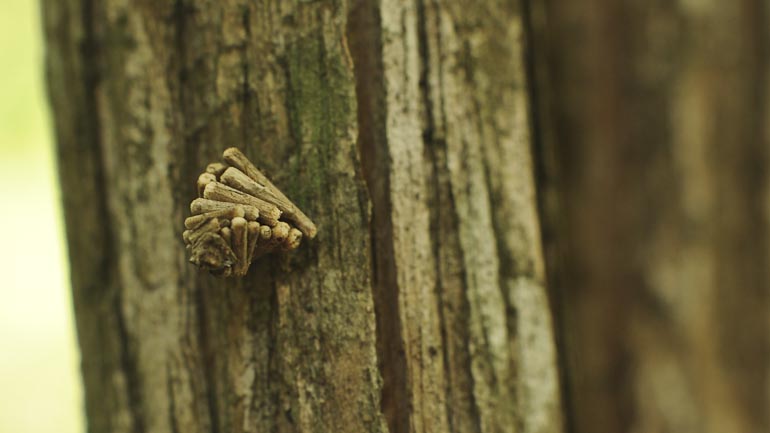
<point>237,159</point>
<point>239,216</point>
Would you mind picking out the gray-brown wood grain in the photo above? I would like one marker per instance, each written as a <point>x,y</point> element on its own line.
<point>421,304</point>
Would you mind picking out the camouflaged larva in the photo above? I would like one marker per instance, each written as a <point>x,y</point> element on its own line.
<point>239,216</point>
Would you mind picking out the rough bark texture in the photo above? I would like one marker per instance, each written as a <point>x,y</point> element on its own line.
<point>401,127</point>
<point>654,133</point>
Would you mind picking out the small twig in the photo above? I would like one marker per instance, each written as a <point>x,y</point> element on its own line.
<point>203,180</point>
<point>239,180</point>
<point>237,159</point>
<point>264,244</point>
<point>253,233</point>
<point>204,205</point>
<point>293,240</point>
<point>227,214</point>
<point>268,213</point>
<point>216,168</point>
<point>191,237</point>
<point>240,245</point>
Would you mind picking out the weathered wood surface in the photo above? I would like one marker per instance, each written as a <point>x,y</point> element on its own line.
<point>401,127</point>
<point>450,174</point>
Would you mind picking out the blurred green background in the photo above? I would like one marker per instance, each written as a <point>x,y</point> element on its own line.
<point>40,387</point>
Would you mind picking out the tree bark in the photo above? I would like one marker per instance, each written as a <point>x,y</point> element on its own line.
<point>401,127</point>
<point>653,125</point>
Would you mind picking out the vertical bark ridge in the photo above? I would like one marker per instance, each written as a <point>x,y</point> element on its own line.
<point>408,194</point>
<point>364,36</point>
<point>433,149</point>
<point>742,350</point>
<point>459,128</point>
<point>474,150</point>
<point>73,74</point>
<point>542,100</point>
<point>462,407</point>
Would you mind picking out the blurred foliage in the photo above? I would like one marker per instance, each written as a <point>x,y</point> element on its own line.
<point>39,378</point>
<point>22,110</point>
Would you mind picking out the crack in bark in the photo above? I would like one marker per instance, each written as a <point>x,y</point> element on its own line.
<point>537,68</point>
<point>91,75</point>
<point>364,35</point>
<point>172,402</point>
<point>209,364</point>
<point>189,166</point>
<point>246,127</point>
<point>436,147</point>
<point>129,368</point>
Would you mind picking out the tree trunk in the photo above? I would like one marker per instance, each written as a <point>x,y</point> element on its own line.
<point>401,127</point>
<point>653,125</point>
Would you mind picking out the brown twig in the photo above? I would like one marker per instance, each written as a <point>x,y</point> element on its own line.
<point>237,159</point>
<point>268,213</point>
